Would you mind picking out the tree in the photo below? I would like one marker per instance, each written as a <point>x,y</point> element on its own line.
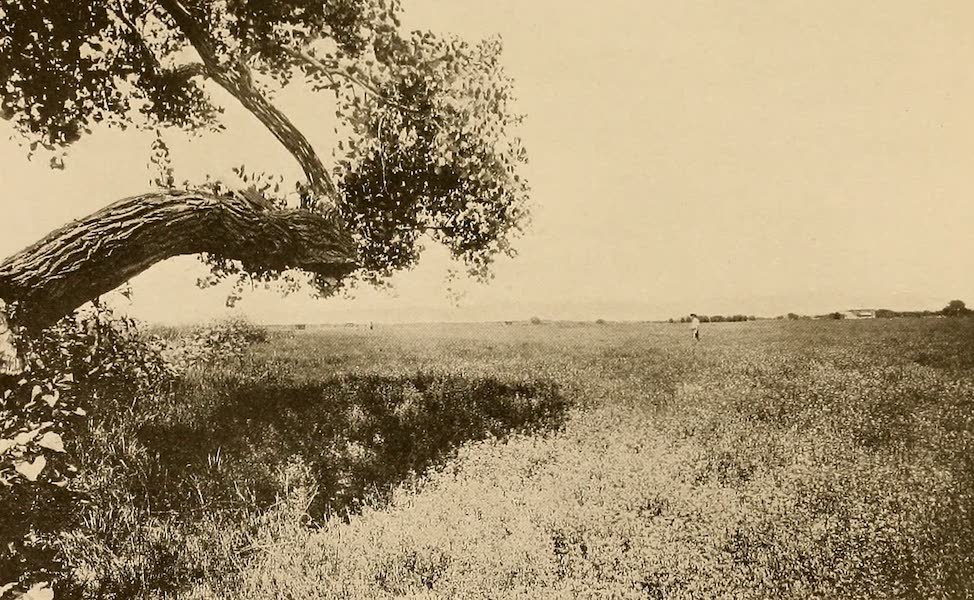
<point>425,143</point>
<point>956,308</point>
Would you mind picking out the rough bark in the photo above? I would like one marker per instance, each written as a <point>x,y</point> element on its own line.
<point>96,254</point>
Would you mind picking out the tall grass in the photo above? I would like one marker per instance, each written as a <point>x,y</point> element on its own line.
<point>772,459</point>
<point>179,484</point>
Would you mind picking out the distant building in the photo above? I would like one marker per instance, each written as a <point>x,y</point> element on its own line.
<point>860,313</point>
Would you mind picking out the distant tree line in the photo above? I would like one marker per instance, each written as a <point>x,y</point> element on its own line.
<point>884,313</point>
<point>718,318</point>
<point>954,308</point>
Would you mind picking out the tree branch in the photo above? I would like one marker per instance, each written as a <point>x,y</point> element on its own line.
<point>331,72</point>
<point>187,71</point>
<point>137,36</point>
<point>235,77</point>
<point>96,254</point>
<point>192,70</point>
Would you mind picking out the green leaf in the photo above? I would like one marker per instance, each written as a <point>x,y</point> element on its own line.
<point>41,591</point>
<point>25,437</point>
<point>31,470</point>
<point>51,441</point>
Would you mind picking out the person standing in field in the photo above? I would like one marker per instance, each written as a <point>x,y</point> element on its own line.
<point>695,327</point>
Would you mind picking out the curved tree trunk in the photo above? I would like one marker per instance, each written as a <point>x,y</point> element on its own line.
<point>96,254</point>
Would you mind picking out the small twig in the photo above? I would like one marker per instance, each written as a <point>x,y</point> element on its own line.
<point>382,157</point>
<point>331,72</point>
<point>192,70</point>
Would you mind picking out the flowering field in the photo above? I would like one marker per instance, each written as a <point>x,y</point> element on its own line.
<point>797,460</point>
<point>790,459</point>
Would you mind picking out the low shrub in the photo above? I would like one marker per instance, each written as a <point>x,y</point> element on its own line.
<point>71,466</point>
<point>219,341</point>
<point>94,362</point>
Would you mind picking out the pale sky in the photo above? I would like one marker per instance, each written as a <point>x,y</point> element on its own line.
<point>716,157</point>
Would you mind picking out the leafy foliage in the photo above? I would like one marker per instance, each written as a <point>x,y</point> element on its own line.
<point>93,362</point>
<point>66,66</point>
<point>426,141</point>
<point>224,341</point>
<point>956,308</point>
<point>58,465</point>
<point>38,415</point>
<point>433,154</point>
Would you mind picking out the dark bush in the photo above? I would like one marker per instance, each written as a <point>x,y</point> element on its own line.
<point>95,363</point>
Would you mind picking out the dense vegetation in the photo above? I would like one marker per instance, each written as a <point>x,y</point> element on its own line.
<point>778,458</point>
<point>424,146</point>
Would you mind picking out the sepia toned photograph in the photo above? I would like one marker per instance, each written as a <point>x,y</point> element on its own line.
<point>472,299</point>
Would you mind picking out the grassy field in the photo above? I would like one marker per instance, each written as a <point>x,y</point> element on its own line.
<point>772,459</point>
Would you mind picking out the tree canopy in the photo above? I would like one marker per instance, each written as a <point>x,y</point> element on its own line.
<point>425,143</point>
<point>956,308</point>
